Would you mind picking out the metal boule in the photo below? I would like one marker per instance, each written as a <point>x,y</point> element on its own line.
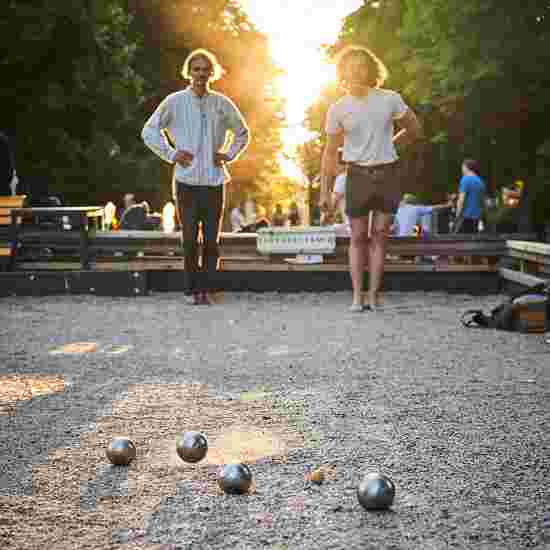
<point>121,451</point>
<point>376,491</point>
<point>235,479</point>
<point>191,446</point>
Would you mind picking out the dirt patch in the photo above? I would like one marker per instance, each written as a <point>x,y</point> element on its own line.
<point>239,430</point>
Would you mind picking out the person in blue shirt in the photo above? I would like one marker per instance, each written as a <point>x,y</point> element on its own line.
<point>471,198</point>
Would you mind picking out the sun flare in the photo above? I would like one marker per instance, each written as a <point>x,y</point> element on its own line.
<point>297,31</point>
<point>305,75</point>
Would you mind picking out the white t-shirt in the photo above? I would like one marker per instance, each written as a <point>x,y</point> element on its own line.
<point>407,216</point>
<point>368,125</point>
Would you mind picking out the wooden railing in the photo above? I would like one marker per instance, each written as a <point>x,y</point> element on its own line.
<point>154,249</point>
<point>526,263</point>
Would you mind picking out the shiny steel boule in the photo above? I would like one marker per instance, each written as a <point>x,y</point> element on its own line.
<point>121,451</point>
<point>376,491</point>
<point>235,479</point>
<point>191,446</point>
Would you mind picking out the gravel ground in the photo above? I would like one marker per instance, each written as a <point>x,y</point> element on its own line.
<point>458,418</point>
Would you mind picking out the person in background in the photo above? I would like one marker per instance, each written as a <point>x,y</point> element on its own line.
<point>409,215</point>
<point>250,213</point>
<point>134,214</point>
<point>293,217</point>
<point>199,131</point>
<point>236,219</point>
<point>316,215</point>
<point>278,219</point>
<point>261,219</point>
<point>128,200</point>
<point>147,207</point>
<point>109,217</point>
<point>471,198</point>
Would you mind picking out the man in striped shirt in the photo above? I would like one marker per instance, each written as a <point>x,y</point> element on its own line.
<point>200,132</point>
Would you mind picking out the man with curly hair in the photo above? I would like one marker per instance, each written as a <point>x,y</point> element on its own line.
<point>363,123</point>
<point>199,131</point>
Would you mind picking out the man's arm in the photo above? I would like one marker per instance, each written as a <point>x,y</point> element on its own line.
<point>153,133</point>
<point>411,129</point>
<point>328,166</point>
<point>443,205</point>
<point>240,138</point>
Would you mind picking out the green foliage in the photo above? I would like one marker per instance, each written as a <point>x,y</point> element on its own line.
<point>475,72</point>
<point>81,77</point>
<point>171,31</point>
<point>73,92</point>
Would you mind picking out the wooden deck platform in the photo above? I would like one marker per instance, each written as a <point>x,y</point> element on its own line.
<point>135,263</point>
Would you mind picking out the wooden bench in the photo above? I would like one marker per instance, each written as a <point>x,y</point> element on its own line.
<point>77,215</point>
<point>525,263</point>
<point>7,245</point>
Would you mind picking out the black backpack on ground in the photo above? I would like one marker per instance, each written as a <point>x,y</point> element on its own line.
<point>527,311</point>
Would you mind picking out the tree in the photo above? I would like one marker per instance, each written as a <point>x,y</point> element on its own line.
<point>86,74</point>
<point>74,92</point>
<point>480,67</point>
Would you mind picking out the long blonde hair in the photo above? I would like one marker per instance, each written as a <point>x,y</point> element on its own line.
<point>217,70</point>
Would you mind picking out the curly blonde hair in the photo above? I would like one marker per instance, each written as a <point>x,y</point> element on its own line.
<point>378,72</point>
<point>217,70</point>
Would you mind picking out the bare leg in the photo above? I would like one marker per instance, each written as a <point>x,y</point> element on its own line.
<point>377,253</point>
<point>358,252</point>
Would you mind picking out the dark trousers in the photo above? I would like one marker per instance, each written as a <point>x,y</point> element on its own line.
<point>204,205</point>
<point>469,226</point>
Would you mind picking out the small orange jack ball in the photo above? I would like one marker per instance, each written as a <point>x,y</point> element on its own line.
<point>317,476</point>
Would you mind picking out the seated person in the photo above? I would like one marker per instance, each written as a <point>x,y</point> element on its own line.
<point>293,217</point>
<point>409,215</point>
<point>278,219</point>
<point>237,219</point>
<point>411,220</point>
<point>134,215</point>
<point>249,217</point>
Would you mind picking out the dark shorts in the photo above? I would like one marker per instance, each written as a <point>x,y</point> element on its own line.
<point>375,188</point>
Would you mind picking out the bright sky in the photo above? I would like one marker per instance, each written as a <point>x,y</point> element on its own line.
<point>296,29</point>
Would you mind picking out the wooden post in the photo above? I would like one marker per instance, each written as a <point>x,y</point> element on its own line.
<point>84,242</point>
<point>13,240</point>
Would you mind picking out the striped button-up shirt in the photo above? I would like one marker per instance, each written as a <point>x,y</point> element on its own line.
<point>202,126</point>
